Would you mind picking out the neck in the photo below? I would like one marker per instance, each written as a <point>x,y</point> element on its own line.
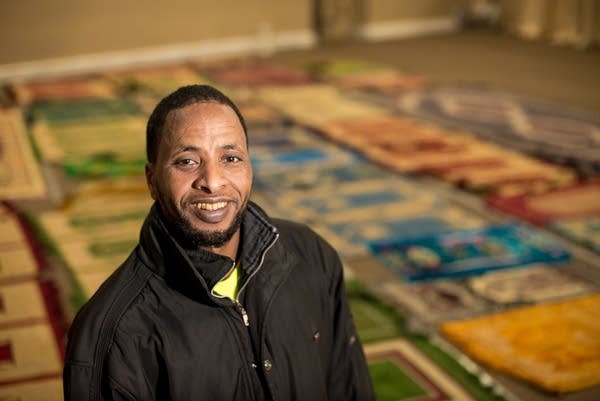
<point>230,249</point>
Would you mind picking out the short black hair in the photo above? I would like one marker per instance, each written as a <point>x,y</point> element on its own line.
<point>184,96</point>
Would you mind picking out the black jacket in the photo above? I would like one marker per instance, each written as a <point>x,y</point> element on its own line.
<point>153,331</point>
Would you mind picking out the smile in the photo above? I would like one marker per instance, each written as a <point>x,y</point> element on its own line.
<point>211,206</point>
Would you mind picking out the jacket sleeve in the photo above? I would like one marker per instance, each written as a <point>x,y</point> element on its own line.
<point>123,377</point>
<point>349,377</point>
<point>131,370</point>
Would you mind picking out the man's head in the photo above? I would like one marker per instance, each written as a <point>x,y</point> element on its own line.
<point>198,167</point>
<point>182,97</point>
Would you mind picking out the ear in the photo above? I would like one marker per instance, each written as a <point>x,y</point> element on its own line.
<point>149,169</point>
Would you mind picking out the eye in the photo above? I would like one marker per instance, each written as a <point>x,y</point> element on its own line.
<point>232,159</point>
<point>185,163</point>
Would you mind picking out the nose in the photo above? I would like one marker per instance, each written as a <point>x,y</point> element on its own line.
<point>210,177</point>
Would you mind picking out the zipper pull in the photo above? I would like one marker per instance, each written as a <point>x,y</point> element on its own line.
<point>242,311</point>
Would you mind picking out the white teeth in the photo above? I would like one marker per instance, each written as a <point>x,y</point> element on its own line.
<point>211,206</point>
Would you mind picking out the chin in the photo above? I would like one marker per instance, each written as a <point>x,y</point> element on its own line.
<point>207,235</point>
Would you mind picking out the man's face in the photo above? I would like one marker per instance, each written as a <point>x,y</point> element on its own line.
<point>202,176</point>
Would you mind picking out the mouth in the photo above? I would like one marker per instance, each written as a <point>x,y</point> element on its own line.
<point>210,206</point>
<point>211,212</point>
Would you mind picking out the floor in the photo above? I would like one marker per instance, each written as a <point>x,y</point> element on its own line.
<point>558,74</point>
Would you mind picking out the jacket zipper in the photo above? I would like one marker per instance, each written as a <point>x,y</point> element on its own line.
<point>236,301</point>
<point>242,311</point>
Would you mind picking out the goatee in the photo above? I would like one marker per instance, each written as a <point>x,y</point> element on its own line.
<point>192,237</point>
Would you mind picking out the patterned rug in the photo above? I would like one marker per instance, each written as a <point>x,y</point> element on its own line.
<point>429,303</point>
<point>253,73</point>
<point>577,201</point>
<point>363,75</point>
<point>464,253</point>
<point>584,231</point>
<point>415,147</point>
<point>94,231</point>
<point>20,175</point>
<point>562,134</point>
<point>401,372</point>
<point>31,324</point>
<point>537,283</point>
<point>572,212</point>
<point>560,353</point>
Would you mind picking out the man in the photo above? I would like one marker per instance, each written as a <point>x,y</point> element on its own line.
<point>217,301</point>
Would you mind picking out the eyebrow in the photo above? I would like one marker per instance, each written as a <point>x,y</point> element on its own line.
<point>192,148</point>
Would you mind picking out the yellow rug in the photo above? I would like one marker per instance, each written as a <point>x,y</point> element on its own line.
<point>555,346</point>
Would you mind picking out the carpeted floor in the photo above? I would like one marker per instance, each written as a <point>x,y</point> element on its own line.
<point>420,160</point>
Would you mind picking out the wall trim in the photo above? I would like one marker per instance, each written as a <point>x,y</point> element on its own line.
<point>262,45</point>
<point>409,28</point>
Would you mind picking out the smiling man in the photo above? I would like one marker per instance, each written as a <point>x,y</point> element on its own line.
<point>218,301</point>
<point>201,175</point>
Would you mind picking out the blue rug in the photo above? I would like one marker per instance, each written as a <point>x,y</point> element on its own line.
<point>467,252</point>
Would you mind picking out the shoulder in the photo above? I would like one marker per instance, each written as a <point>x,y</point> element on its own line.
<point>96,322</point>
<point>299,233</point>
<point>309,246</point>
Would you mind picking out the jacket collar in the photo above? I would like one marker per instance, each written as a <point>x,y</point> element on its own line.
<point>187,268</point>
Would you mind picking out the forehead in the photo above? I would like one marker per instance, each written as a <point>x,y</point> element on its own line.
<point>201,115</point>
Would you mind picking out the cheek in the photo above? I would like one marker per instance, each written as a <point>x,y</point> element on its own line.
<point>172,186</point>
<point>243,181</point>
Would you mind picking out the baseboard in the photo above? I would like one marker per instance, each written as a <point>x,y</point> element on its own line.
<point>409,28</point>
<point>262,44</point>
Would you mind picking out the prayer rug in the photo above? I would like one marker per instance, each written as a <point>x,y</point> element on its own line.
<point>21,347</point>
<point>577,201</point>
<point>258,116</point>
<point>555,346</point>
<point>428,303</point>
<point>516,174</point>
<point>467,252</point>
<point>293,148</point>
<point>401,372</point>
<point>20,174</point>
<point>157,81</point>
<point>316,104</point>
<point>95,230</point>
<point>111,147</point>
<point>537,283</point>
<point>584,231</point>
<point>364,75</point>
<point>325,70</point>
<point>411,146</point>
<point>17,259</point>
<point>40,390</point>
<point>31,324</point>
<point>374,320</point>
<point>80,110</point>
<point>61,89</point>
<point>561,134</point>
<point>278,181</point>
<point>253,73</point>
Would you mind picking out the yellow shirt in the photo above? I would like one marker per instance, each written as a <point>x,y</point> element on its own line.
<point>230,284</point>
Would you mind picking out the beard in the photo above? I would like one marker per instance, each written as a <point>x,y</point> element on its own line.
<point>202,239</point>
<point>191,237</point>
